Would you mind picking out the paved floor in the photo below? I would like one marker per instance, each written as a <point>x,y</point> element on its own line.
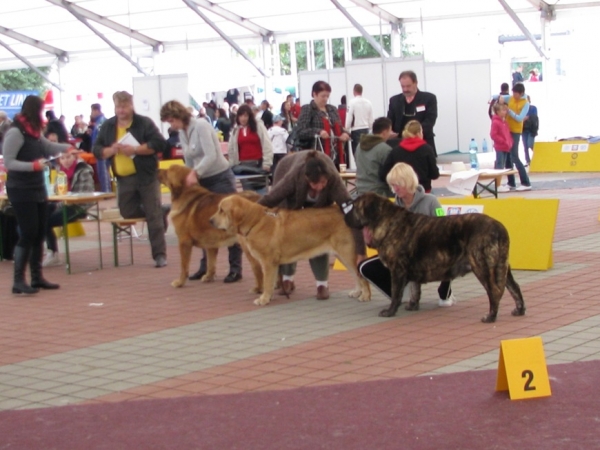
<point>124,333</point>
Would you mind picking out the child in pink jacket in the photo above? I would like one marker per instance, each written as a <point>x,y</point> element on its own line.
<point>500,134</point>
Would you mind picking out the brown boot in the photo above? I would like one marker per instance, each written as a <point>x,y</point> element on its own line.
<point>322,293</point>
<point>287,287</point>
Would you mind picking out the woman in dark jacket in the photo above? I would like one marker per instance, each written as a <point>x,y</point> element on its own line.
<point>416,152</point>
<point>303,180</point>
<point>25,155</point>
<point>322,120</point>
<point>223,123</point>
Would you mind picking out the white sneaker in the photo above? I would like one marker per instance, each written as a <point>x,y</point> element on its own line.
<point>51,259</point>
<point>523,188</point>
<point>448,302</point>
<point>503,188</point>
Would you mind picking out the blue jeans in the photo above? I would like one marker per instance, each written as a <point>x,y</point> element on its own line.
<point>514,159</point>
<point>528,141</point>
<point>501,159</point>
<point>103,172</point>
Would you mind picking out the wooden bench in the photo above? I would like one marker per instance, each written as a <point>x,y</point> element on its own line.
<point>122,227</point>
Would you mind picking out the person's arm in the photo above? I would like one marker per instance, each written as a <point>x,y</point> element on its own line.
<point>433,170</point>
<point>349,114</point>
<point>53,148</point>
<point>284,188</point>
<point>232,148</point>
<point>521,116</point>
<point>436,208</point>
<point>203,137</point>
<point>386,166</point>
<point>430,113</point>
<point>85,180</point>
<point>151,141</point>
<point>13,141</point>
<point>370,118</point>
<point>305,130</point>
<point>104,147</point>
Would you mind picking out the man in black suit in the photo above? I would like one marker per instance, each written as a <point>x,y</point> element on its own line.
<point>413,104</point>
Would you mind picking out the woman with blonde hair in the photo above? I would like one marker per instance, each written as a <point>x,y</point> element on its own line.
<point>403,181</point>
<point>416,152</point>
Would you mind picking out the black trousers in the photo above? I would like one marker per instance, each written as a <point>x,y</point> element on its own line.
<point>375,272</point>
<point>31,220</point>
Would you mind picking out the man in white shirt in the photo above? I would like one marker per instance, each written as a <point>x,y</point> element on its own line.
<point>359,118</point>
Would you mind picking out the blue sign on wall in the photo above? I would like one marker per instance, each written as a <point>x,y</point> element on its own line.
<point>11,101</point>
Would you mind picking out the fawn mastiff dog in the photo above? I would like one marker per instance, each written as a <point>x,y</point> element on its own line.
<point>280,236</point>
<point>191,209</point>
<point>420,248</point>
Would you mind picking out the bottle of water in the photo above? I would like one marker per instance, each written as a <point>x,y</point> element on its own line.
<point>47,179</point>
<point>473,155</point>
<point>484,147</point>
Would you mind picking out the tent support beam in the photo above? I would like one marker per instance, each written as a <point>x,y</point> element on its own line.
<point>220,32</point>
<point>156,45</point>
<point>124,55</point>
<point>31,66</point>
<point>62,55</point>
<point>379,12</point>
<point>238,20</point>
<point>360,28</point>
<point>523,28</point>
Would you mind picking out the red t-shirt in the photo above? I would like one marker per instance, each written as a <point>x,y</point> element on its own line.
<point>249,145</point>
<point>295,109</point>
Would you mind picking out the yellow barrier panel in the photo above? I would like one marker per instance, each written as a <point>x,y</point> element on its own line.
<point>565,156</point>
<point>530,224</point>
<point>74,229</point>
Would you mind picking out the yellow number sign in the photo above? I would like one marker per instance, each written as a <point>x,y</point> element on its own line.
<point>522,369</point>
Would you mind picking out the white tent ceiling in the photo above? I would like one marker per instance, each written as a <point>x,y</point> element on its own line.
<point>40,30</point>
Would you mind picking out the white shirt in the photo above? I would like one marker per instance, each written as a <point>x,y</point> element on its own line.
<point>278,137</point>
<point>362,110</point>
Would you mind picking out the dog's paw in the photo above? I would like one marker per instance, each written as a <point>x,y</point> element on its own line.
<point>412,306</point>
<point>386,313</point>
<point>177,283</point>
<point>256,290</point>
<point>488,318</point>
<point>207,278</point>
<point>518,312</point>
<point>354,293</point>
<point>262,300</point>
<point>360,295</point>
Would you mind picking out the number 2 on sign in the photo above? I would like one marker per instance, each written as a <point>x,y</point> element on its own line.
<point>529,375</point>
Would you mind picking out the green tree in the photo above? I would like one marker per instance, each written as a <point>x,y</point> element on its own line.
<point>301,56</point>
<point>320,60</point>
<point>338,52</point>
<point>361,48</point>
<point>23,80</point>
<point>285,59</point>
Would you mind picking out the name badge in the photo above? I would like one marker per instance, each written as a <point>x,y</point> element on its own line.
<point>420,108</point>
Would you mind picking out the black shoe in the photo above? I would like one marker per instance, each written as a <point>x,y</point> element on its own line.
<point>23,288</point>
<point>197,275</point>
<point>232,277</point>
<point>161,261</point>
<point>44,284</point>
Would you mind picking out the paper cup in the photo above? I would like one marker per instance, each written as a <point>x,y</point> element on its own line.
<point>342,168</point>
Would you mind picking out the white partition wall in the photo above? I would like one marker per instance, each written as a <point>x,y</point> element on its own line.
<point>369,74</point>
<point>462,90</point>
<point>150,93</point>
<point>473,80</point>
<point>440,76</point>
<point>335,77</point>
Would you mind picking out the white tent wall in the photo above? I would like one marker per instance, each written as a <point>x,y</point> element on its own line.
<point>150,93</point>
<point>462,88</point>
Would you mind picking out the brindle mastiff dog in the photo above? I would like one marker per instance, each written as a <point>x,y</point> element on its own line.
<point>191,209</point>
<point>420,248</point>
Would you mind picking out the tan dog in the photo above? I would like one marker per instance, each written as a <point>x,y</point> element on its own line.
<point>274,237</point>
<point>191,209</point>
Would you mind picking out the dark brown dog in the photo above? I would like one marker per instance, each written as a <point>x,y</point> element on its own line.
<point>420,248</point>
<point>191,209</point>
